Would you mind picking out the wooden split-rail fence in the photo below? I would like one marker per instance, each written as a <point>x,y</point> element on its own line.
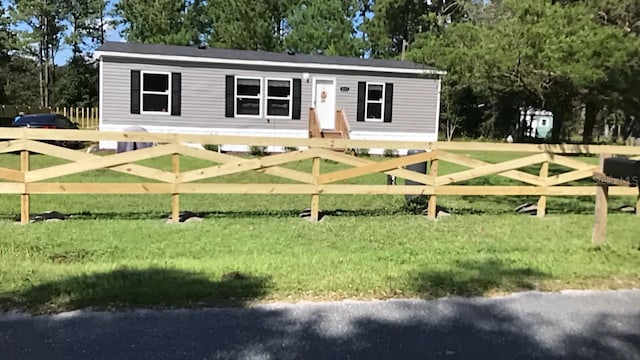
<point>26,181</point>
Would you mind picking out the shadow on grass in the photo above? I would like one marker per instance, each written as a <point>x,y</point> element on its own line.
<point>497,205</point>
<point>475,278</point>
<point>478,205</point>
<point>133,288</point>
<point>287,213</point>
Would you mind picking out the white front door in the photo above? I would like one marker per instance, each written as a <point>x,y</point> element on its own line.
<point>325,103</point>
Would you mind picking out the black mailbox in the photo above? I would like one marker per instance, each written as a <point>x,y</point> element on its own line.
<point>420,167</point>
<point>623,169</point>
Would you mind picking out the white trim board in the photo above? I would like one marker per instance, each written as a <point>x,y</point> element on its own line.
<point>101,94</point>
<point>438,106</point>
<point>392,136</point>
<point>101,54</point>
<point>356,135</point>
<point>110,145</point>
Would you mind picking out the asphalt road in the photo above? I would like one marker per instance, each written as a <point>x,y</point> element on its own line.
<point>569,325</point>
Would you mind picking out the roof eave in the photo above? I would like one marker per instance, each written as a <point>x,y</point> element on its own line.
<point>101,53</point>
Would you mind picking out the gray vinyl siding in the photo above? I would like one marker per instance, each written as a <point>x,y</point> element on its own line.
<point>414,104</point>
<point>203,98</point>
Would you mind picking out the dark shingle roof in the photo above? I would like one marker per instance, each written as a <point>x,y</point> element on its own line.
<point>229,54</point>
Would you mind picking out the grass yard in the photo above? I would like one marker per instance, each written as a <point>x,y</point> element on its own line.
<point>118,252</point>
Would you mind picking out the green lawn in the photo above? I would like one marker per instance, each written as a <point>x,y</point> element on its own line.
<point>118,252</point>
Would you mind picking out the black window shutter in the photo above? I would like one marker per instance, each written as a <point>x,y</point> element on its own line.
<point>296,111</point>
<point>362,96</point>
<point>388,102</point>
<point>135,91</point>
<point>229,96</point>
<point>176,94</point>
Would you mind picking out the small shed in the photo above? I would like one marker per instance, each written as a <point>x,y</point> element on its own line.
<point>537,123</point>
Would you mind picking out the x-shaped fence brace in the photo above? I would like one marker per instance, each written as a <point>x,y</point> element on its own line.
<point>26,181</point>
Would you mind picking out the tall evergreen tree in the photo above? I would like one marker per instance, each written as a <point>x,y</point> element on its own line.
<point>7,43</point>
<point>86,19</point>
<point>77,83</point>
<point>324,27</point>
<point>44,20</point>
<point>397,23</point>
<point>160,21</point>
<point>248,24</point>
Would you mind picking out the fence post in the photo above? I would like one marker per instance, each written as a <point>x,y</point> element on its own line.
<point>432,212</point>
<point>599,235</point>
<point>175,197</point>
<point>638,201</point>
<point>315,197</point>
<point>24,197</point>
<point>542,201</point>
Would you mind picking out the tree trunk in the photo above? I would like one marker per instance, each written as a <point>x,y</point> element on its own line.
<point>565,112</point>
<point>76,45</point>
<point>41,71</point>
<point>626,126</point>
<point>47,58</point>
<point>591,112</point>
<point>560,114</point>
<point>52,77</point>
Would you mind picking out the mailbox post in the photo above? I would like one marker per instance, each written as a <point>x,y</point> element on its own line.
<point>612,171</point>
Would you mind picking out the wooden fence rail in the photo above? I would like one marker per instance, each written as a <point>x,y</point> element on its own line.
<point>27,181</point>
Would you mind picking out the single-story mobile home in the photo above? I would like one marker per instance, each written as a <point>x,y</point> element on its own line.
<point>185,89</point>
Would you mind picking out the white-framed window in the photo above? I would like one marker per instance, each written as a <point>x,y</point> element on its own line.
<point>156,92</point>
<point>279,96</point>
<point>374,107</point>
<point>248,97</point>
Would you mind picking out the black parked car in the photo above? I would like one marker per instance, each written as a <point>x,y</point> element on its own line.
<point>45,121</point>
<point>50,121</point>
